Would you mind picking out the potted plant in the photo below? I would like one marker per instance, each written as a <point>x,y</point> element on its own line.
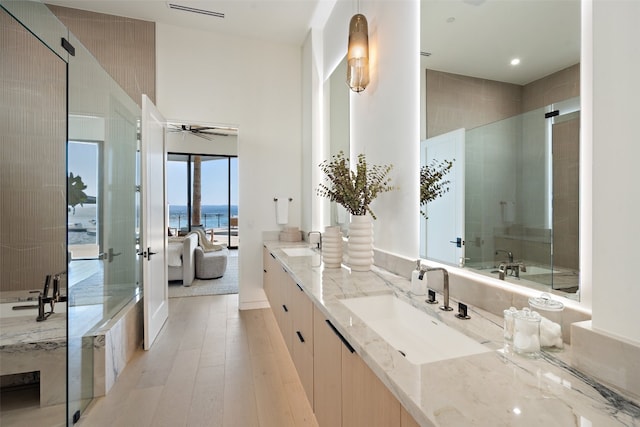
<point>432,182</point>
<point>355,190</point>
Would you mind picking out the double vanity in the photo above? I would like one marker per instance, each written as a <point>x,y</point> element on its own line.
<point>369,352</point>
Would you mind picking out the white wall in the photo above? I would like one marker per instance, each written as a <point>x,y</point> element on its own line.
<point>385,123</point>
<point>385,117</point>
<point>616,175</point>
<point>255,85</point>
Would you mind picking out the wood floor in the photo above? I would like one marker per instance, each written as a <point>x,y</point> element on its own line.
<point>211,365</point>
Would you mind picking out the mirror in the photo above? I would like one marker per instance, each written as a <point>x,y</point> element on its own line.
<point>513,129</point>
<point>338,129</point>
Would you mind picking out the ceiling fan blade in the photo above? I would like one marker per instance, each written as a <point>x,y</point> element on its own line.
<point>202,135</point>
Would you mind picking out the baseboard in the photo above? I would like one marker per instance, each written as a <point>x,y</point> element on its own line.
<point>253,305</point>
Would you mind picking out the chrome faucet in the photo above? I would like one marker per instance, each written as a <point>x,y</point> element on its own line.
<point>319,244</point>
<point>515,267</point>
<point>44,298</point>
<point>509,254</point>
<point>445,290</point>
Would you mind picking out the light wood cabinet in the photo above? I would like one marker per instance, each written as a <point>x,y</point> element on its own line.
<point>276,286</point>
<point>282,311</point>
<point>327,373</point>
<point>270,265</point>
<point>366,401</point>
<point>406,420</point>
<point>302,336</point>
<point>341,388</point>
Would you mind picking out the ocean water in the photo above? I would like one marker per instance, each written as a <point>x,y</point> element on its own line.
<point>84,220</point>
<point>213,216</point>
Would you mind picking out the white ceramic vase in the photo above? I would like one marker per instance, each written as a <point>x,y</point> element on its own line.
<point>360,246</point>
<point>332,247</point>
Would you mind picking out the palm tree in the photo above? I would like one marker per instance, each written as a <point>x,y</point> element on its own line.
<point>197,192</point>
<point>75,193</point>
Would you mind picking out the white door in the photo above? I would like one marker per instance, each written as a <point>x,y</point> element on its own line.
<point>442,234</point>
<point>153,245</point>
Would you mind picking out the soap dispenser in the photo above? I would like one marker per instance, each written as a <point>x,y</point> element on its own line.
<point>419,280</point>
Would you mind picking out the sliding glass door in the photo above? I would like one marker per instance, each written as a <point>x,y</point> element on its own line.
<point>203,193</point>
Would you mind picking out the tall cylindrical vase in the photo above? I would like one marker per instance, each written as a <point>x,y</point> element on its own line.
<point>332,247</point>
<point>360,246</point>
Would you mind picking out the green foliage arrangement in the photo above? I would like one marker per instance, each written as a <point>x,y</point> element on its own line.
<point>75,193</point>
<point>354,190</point>
<point>432,182</point>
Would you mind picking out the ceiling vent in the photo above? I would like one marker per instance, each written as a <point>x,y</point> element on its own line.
<point>422,53</point>
<point>195,10</point>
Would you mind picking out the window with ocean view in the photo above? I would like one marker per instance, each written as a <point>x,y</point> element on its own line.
<point>202,192</point>
<point>82,186</point>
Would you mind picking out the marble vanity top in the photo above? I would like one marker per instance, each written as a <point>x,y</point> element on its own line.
<point>495,388</point>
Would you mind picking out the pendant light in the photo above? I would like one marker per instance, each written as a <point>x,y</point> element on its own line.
<point>358,54</point>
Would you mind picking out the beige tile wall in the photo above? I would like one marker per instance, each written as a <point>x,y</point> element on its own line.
<point>566,194</point>
<point>455,101</point>
<point>558,86</point>
<point>124,47</point>
<point>33,119</point>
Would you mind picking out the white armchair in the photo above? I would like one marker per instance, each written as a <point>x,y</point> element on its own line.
<point>181,259</point>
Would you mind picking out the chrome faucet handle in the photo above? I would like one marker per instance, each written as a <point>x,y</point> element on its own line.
<point>501,271</point>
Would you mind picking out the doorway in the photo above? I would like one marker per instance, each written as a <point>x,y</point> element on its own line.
<point>202,193</point>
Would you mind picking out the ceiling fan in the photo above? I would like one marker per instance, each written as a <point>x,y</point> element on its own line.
<point>206,132</point>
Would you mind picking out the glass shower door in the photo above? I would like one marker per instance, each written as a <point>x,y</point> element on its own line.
<point>107,279</point>
<point>33,209</point>
<point>219,207</point>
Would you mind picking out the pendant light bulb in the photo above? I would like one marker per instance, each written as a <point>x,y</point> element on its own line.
<point>358,54</point>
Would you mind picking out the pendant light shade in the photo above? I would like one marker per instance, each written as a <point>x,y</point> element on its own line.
<point>358,54</point>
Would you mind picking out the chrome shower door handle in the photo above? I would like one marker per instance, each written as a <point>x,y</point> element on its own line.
<point>112,255</point>
<point>458,242</point>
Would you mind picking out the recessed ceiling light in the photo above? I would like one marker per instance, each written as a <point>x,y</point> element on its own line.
<point>515,61</point>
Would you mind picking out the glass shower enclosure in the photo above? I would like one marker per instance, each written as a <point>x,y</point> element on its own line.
<point>70,209</point>
<point>522,197</point>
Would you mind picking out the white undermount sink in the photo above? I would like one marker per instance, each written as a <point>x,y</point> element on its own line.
<point>418,336</point>
<point>299,251</point>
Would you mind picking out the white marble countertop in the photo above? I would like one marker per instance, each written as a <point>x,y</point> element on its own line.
<point>489,389</point>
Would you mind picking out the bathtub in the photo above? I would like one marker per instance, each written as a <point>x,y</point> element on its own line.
<point>30,309</point>
<point>27,346</point>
